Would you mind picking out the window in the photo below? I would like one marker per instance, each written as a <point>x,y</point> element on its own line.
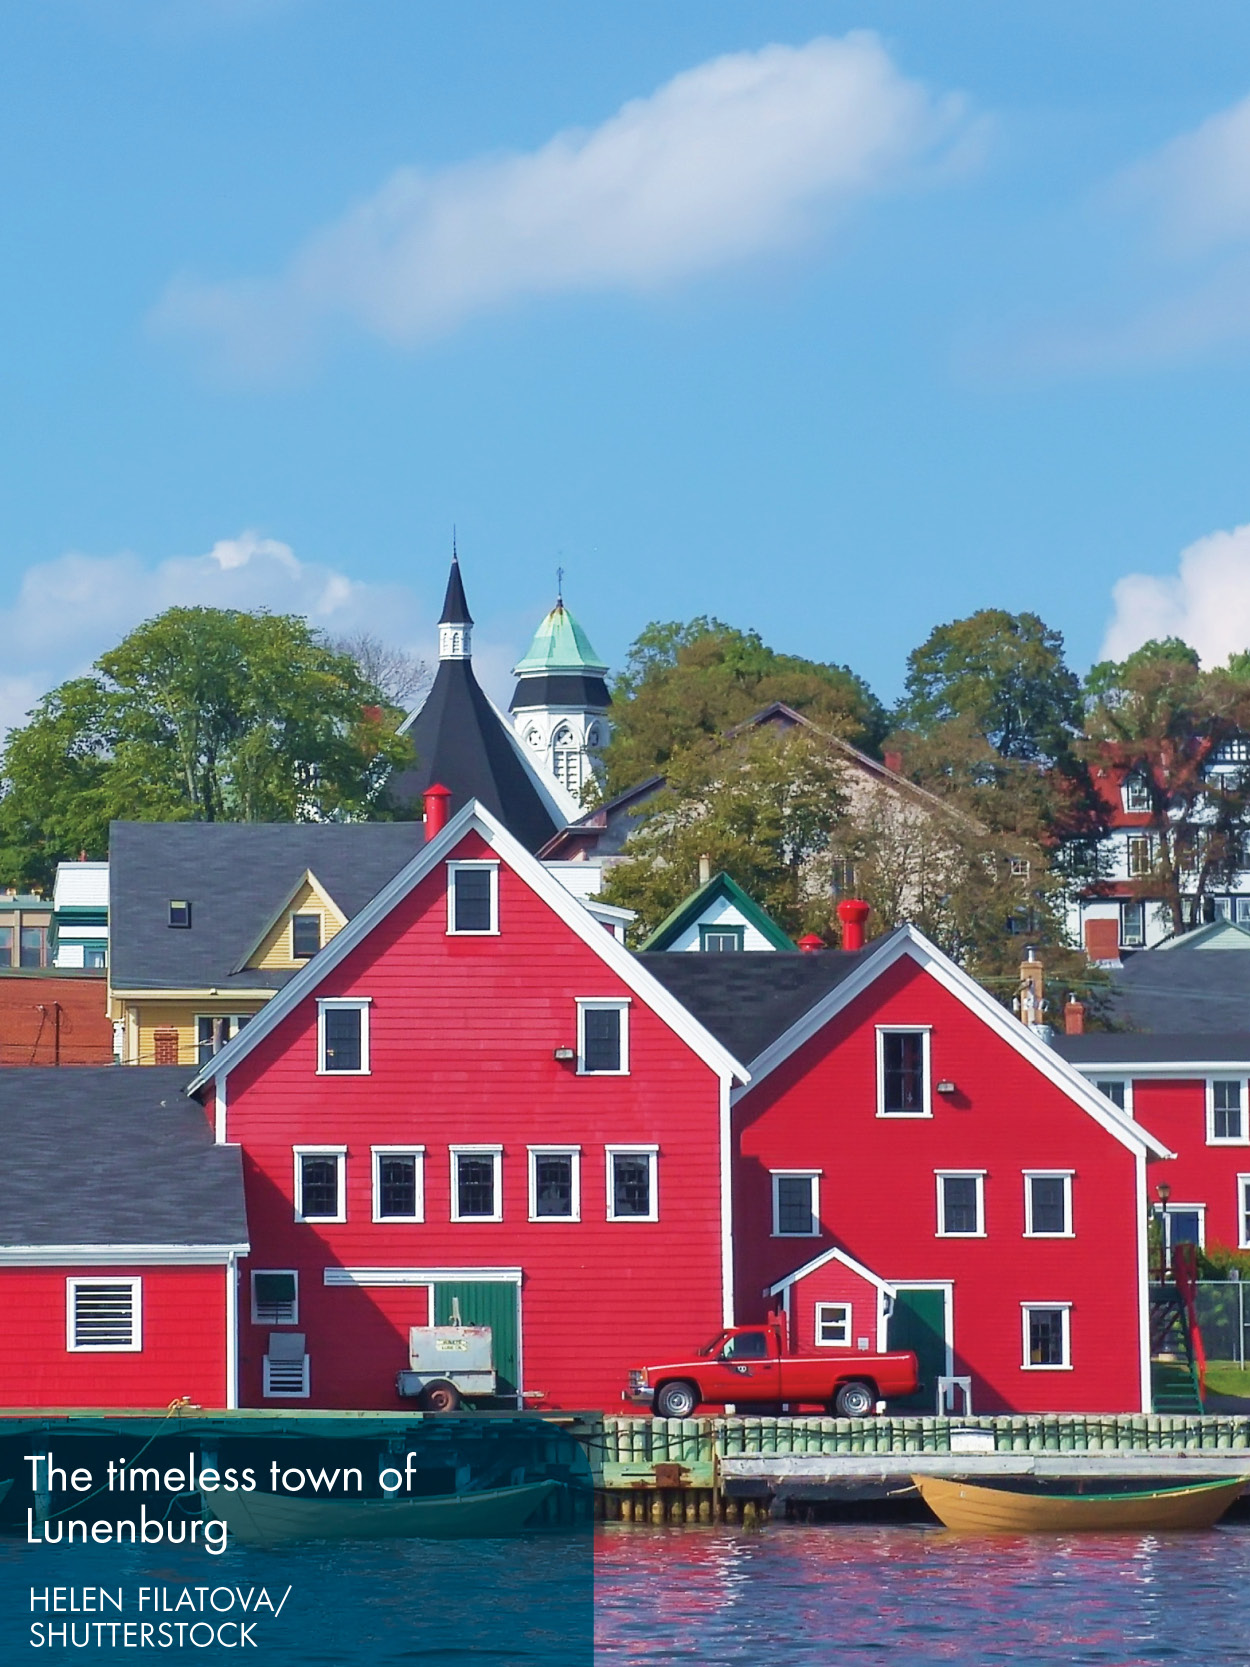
<point>602,1038</point>
<point>841,877</point>
<point>632,1183</point>
<point>1048,1204</point>
<point>472,898</point>
<point>1019,868</point>
<point>1136,795</point>
<point>399,1183</point>
<point>275,1296</point>
<point>1243,1211</point>
<point>93,957</point>
<point>476,1194</point>
<point>1116,1091</point>
<point>961,1204</point>
<point>6,946</point>
<point>179,911</point>
<point>1133,925</point>
<point>721,940</point>
<point>747,1345</point>
<point>903,1073</point>
<point>214,1030</point>
<point>567,759</point>
<point>104,1316</point>
<point>1046,1335</point>
<point>1226,1118</point>
<point>344,1036</point>
<point>1138,856</point>
<point>833,1325</point>
<point>796,1204</point>
<point>305,936</point>
<point>33,950</point>
<point>286,1366</point>
<point>555,1183</point>
<point>319,1190</point>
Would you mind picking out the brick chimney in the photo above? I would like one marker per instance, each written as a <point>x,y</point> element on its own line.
<point>437,801</point>
<point>893,761</point>
<point>1073,1016</point>
<point>853,913</point>
<point>1030,1003</point>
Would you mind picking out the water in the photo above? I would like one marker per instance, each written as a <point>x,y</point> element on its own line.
<point>854,1594</point>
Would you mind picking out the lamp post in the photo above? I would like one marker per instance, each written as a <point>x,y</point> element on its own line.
<point>1163,1192</point>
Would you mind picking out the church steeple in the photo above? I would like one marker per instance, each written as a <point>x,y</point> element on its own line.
<point>455,623</point>
<point>561,701</point>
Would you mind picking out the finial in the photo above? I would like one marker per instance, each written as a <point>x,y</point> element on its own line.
<point>454,556</point>
<point>559,587</point>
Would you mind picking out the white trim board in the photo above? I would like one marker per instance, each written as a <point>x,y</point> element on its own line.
<point>816,1262</point>
<point>119,1255</point>
<point>422,1276</point>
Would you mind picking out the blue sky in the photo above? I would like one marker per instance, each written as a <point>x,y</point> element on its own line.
<point>834,321</point>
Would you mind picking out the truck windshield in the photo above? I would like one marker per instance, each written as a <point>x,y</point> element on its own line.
<point>747,1345</point>
<point>714,1345</point>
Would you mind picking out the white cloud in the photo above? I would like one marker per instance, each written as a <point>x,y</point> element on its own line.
<point>1197,186</point>
<point>1206,602</point>
<point>742,155</point>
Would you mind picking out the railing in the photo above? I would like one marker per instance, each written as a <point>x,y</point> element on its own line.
<point>1185,1273</point>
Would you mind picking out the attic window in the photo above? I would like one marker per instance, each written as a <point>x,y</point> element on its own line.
<point>305,936</point>
<point>179,911</point>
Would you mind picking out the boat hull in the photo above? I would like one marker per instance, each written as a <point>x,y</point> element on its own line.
<point>980,1510</point>
<point>273,1519</point>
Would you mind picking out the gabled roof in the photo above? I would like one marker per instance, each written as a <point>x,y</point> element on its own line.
<point>236,876</point>
<point>1216,934</point>
<point>574,914</point>
<point>113,1155</point>
<point>1179,993</point>
<point>720,888</point>
<point>309,879</point>
<point>817,1262</point>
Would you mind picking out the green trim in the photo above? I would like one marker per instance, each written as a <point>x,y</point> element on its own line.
<point>720,886</point>
<point>719,929</point>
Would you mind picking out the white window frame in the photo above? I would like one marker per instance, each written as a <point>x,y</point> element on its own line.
<point>925,1032</point>
<point>324,1004</point>
<point>1027,1365</point>
<point>417,1153</point>
<point>256,1317</point>
<point>1135,786</point>
<point>321,933</point>
<point>556,1150</point>
<point>1136,940</point>
<point>1243,1139</point>
<point>491,865</point>
<point>72,1287</point>
<point>1176,1206</point>
<point>299,1153</point>
<point>812,1175</point>
<point>586,1004</point>
<point>1125,1082</point>
<point>610,1153</point>
<point>1243,1208</point>
<point>818,1321</point>
<point>977,1175</point>
<point>1138,841</point>
<point>454,1154</point>
<point>1064,1175</point>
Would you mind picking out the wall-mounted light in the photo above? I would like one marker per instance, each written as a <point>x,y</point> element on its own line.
<point>565,1054</point>
<point>946,1087</point>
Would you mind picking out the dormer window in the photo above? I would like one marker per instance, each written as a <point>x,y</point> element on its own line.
<point>179,911</point>
<point>1136,795</point>
<point>472,898</point>
<point>305,936</point>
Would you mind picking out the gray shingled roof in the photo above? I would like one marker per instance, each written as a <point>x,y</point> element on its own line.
<point>113,1154</point>
<point>237,875</point>
<point>1155,1048</point>
<point>1182,992</point>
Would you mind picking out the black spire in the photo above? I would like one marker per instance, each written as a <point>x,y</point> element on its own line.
<point>455,608</point>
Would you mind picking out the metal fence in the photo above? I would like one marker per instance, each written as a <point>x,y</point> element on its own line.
<point>1223,1310</point>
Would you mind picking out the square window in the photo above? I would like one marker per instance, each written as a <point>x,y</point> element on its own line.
<point>475,1184</point>
<point>1047,1335</point>
<point>344,1028</point>
<point>602,1038</point>
<point>1136,795</point>
<point>903,1073</point>
<point>555,1183</point>
<point>1048,1206</point>
<point>961,1212</point>
<point>833,1325</point>
<point>632,1183</point>
<point>104,1316</point>
<point>275,1297</point>
<point>796,1206</point>
<point>721,940</point>
<point>319,1190</point>
<point>1226,1115</point>
<point>94,957</point>
<point>179,911</point>
<point>398,1183</point>
<point>1115,1090</point>
<point>472,898</point>
<point>305,936</point>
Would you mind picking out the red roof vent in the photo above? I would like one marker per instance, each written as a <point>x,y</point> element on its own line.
<point>811,943</point>
<point>437,800</point>
<point>853,913</point>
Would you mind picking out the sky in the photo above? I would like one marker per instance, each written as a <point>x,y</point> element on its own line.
<point>834,321</point>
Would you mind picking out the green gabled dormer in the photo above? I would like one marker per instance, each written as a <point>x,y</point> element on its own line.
<point>719,917</point>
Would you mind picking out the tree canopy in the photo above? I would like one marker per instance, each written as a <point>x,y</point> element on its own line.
<point>202,714</point>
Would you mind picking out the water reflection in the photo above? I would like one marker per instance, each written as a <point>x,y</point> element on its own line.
<point>859,1594</point>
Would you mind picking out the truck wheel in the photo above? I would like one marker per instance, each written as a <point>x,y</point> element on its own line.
<point>854,1400</point>
<point>676,1400</point>
<point>439,1396</point>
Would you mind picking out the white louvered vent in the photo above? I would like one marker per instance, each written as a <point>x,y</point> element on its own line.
<point>274,1298</point>
<point>286,1365</point>
<point>104,1314</point>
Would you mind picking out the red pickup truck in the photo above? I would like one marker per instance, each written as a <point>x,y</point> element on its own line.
<point>750,1365</point>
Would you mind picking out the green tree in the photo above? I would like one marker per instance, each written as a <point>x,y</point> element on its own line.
<point>202,713</point>
<point>686,682</point>
<point>1003,672</point>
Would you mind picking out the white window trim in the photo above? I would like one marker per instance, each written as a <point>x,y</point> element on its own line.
<point>324,1003</point>
<point>321,933</point>
<point>598,1003</point>
<point>256,1319</point>
<point>1243,1139</point>
<point>977,1175</point>
<point>454,1154</point>
<point>1243,1199</point>
<point>1105,1076</point>
<point>924,1031</point>
<point>135,1346</point>
<point>1065,1308</point>
<point>337,1152</point>
<point>1126,796</point>
<point>556,1151</point>
<point>1064,1175</point>
<point>454,868</point>
<point>848,1310</point>
<point>1176,1206</point>
<point>635,1151</point>
<point>409,1151</point>
<point>271,1394</point>
<point>812,1175</point>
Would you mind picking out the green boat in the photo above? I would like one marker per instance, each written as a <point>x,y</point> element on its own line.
<point>275,1519</point>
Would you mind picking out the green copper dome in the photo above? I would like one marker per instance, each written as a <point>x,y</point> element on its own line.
<point>560,645</point>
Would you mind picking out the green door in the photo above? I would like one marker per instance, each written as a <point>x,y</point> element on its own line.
<point>485,1303</point>
<point>918,1323</point>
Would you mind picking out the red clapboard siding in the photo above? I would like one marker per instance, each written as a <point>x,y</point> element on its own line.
<point>878,1194</point>
<point>463,1032</point>
<point>184,1341</point>
<point>1174,1109</point>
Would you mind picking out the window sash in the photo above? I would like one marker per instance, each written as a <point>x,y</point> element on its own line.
<point>344,1038</point>
<point>721,939</point>
<point>471,891</point>
<point>476,1182</point>
<point>1226,1110</point>
<point>555,1186</point>
<point>794,1206</point>
<point>397,1185</point>
<point>602,1038</point>
<point>1048,1206</point>
<point>960,1206</point>
<point>1046,1335</point>
<point>632,1186</point>
<point>319,1186</point>
<point>903,1073</point>
<point>1114,1090</point>
<point>833,1325</point>
<point>305,936</point>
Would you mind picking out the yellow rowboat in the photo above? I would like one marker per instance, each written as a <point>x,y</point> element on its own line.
<point>1007,1510</point>
<point>274,1519</point>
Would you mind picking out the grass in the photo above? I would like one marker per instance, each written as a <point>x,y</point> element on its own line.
<point>1225,1377</point>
